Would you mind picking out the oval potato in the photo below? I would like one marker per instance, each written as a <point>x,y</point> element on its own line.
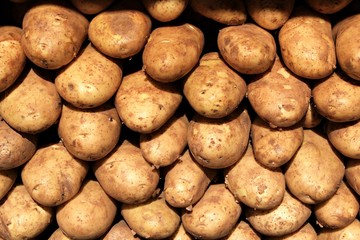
<point>165,11</point>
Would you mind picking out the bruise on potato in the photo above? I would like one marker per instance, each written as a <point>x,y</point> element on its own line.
<point>165,10</point>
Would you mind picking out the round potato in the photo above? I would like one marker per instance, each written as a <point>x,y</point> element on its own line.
<point>328,6</point>
<point>120,230</point>
<point>350,232</point>
<point>306,232</point>
<point>7,180</point>
<point>91,7</point>
<point>165,11</point>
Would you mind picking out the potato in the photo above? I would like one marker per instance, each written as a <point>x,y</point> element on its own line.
<point>32,104</point>
<point>16,148</point>
<point>226,12</point>
<point>339,210</point>
<point>91,7</point>
<point>219,143</point>
<point>121,31</point>
<point>306,44</point>
<point>253,184</point>
<point>270,15</point>
<point>336,98</point>
<point>172,51</point>
<point>13,58</point>
<point>278,96</point>
<point>247,48</point>
<point>89,214</point>
<point>243,231</point>
<point>350,232</point>
<point>155,146</point>
<point>312,117</point>
<point>53,33</point>
<point>273,147</point>
<point>306,232</point>
<point>125,175</point>
<point>213,89</point>
<point>328,7</point>
<point>7,180</point>
<point>22,217</point>
<point>315,172</point>
<point>145,105</point>
<point>165,11</point>
<point>352,174</point>
<point>214,215</point>
<point>344,137</point>
<point>53,176</point>
<point>186,181</point>
<point>90,80</point>
<point>120,230</point>
<point>89,134</point>
<point>181,234</point>
<point>153,219</point>
<point>58,235</point>
<point>284,219</point>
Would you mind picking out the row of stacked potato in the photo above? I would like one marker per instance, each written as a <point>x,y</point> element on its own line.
<point>179,119</point>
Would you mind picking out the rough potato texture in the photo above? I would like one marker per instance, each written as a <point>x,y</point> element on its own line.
<point>91,7</point>
<point>7,180</point>
<point>328,6</point>
<point>120,230</point>
<point>306,232</point>
<point>350,232</point>
<point>243,231</point>
<point>165,10</point>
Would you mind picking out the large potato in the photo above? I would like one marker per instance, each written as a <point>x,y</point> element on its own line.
<point>306,44</point>
<point>243,231</point>
<point>165,11</point>
<point>7,180</point>
<point>53,33</point>
<point>120,230</point>
<point>328,6</point>
<point>91,7</point>
<point>352,174</point>
<point>350,232</point>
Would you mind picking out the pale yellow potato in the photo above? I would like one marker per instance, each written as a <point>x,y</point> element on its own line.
<point>243,231</point>
<point>91,7</point>
<point>58,235</point>
<point>125,175</point>
<point>214,216</point>
<point>7,180</point>
<point>120,230</point>
<point>90,80</point>
<point>213,89</point>
<point>247,48</point>
<point>328,6</point>
<point>352,174</point>
<point>253,184</point>
<point>165,10</point>
<point>181,234</point>
<point>145,105</point>
<point>350,232</point>
<point>306,232</point>
<point>89,214</point>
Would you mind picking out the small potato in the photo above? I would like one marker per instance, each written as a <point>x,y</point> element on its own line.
<point>315,172</point>
<point>32,104</point>
<point>181,234</point>
<point>165,11</point>
<point>89,214</point>
<point>153,219</point>
<point>219,143</point>
<point>243,231</point>
<point>253,184</point>
<point>145,105</point>
<point>58,235</point>
<point>90,80</point>
<point>306,232</point>
<point>247,48</point>
<point>119,231</point>
<point>120,31</point>
<point>16,148</point>
<point>53,176</point>
<point>306,44</point>
<point>213,89</point>
<point>345,137</point>
<point>53,33</point>
<point>214,216</point>
<point>337,97</point>
<point>172,51</point>
<point>155,146</point>
<point>226,12</point>
<point>13,58</point>
<point>352,174</point>
<point>91,7</point>
<point>328,6</point>
<point>22,217</point>
<point>7,180</point>
<point>312,117</point>
<point>273,147</point>
<point>270,15</point>
<point>350,232</point>
<point>186,182</point>
<point>284,219</point>
<point>89,134</point>
<point>125,175</point>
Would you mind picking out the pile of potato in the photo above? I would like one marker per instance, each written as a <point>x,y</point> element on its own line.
<point>180,119</point>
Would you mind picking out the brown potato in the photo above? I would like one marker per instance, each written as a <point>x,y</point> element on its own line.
<point>155,146</point>
<point>243,231</point>
<point>58,235</point>
<point>214,215</point>
<point>89,214</point>
<point>350,232</point>
<point>270,15</point>
<point>165,11</point>
<point>7,180</point>
<point>273,147</point>
<point>306,232</point>
<point>312,117</point>
<point>53,176</point>
<point>181,234</point>
<point>53,33</point>
<point>306,44</point>
<point>284,219</point>
<point>352,174</point>
<point>172,51</point>
<point>328,6</point>
<point>89,134</point>
<point>248,48</point>
<point>253,184</point>
<point>31,104</point>
<point>186,181</point>
<point>145,105</point>
<point>213,89</point>
<point>219,143</point>
<point>90,80</point>
<point>315,172</point>
<point>16,148</point>
<point>125,175</point>
<point>91,7</point>
<point>153,219</point>
<point>119,231</point>
<point>22,217</point>
<point>226,12</point>
<point>13,58</point>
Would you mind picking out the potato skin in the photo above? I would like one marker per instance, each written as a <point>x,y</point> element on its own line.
<point>328,7</point>
<point>312,117</point>
<point>243,231</point>
<point>306,232</point>
<point>7,180</point>
<point>165,11</point>
<point>181,234</point>
<point>352,174</point>
<point>120,230</point>
<point>350,232</point>
<point>91,7</point>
